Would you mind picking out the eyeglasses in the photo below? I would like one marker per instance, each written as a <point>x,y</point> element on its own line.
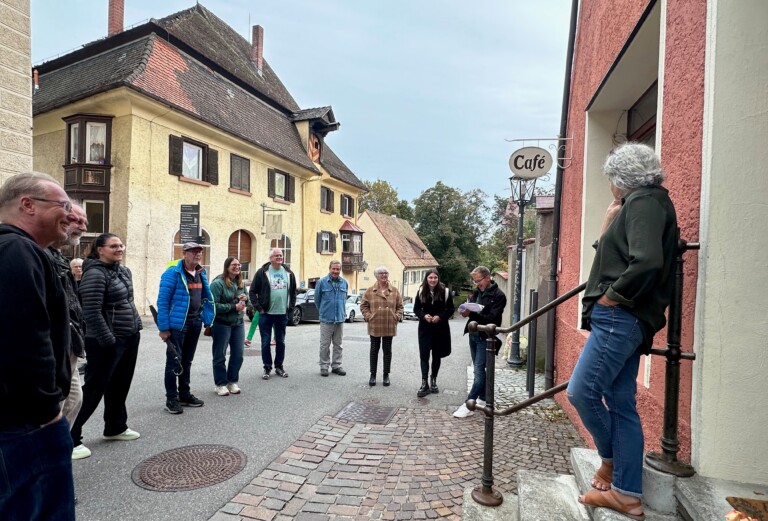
<point>67,205</point>
<point>478,281</point>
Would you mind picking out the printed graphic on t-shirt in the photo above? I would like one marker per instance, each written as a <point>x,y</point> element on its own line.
<point>277,281</point>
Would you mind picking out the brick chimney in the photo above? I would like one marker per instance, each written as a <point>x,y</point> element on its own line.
<point>257,48</point>
<point>116,15</point>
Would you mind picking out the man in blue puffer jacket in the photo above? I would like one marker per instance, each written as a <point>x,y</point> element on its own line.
<point>331,301</point>
<point>184,305</point>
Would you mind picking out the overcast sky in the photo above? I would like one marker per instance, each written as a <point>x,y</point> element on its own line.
<point>425,90</point>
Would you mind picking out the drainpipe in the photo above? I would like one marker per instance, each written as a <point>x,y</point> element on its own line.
<point>549,366</point>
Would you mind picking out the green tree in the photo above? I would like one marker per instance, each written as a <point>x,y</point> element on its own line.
<point>452,225</point>
<point>503,234</point>
<point>382,198</point>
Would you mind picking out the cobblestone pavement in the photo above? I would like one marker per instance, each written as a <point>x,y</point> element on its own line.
<point>414,467</point>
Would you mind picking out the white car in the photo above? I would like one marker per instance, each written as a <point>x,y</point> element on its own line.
<point>353,307</point>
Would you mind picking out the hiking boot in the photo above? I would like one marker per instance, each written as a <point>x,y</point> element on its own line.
<point>280,372</point>
<point>127,435</point>
<point>173,407</point>
<point>339,371</point>
<point>433,385</point>
<point>265,376</point>
<point>385,380</point>
<point>221,390</point>
<point>191,401</point>
<point>372,381</point>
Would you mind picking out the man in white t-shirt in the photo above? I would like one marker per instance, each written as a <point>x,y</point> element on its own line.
<point>273,295</point>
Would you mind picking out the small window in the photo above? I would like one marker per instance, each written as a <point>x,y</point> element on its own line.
<point>240,173</point>
<point>95,212</point>
<point>326,199</point>
<point>74,143</point>
<point>357,244</point>
<point>346,243</point>
<point>281,185</point>
<point>326,242</point>
<point>347,206</point>
<point>192,160</point>
<point>284,243</point>
<point>95,142</point>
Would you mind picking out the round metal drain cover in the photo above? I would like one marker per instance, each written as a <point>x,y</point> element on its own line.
<point>370,401</point>
<point>188,468</point>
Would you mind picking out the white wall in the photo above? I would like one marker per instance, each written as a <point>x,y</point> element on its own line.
<point>731,338</point>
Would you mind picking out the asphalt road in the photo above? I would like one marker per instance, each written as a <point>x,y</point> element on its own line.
<point>261,422</point>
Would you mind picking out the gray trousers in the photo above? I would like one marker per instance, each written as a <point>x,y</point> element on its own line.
<point>74,400</point>
<point>330,333</point>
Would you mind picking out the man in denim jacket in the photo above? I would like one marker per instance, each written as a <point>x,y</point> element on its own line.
<point>331,299</point>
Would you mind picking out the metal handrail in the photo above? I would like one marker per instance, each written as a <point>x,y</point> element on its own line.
<point>666,461</point>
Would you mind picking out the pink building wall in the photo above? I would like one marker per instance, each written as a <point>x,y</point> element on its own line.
<point>604,28</point>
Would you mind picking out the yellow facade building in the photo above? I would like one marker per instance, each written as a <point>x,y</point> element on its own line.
<point>184,113</point>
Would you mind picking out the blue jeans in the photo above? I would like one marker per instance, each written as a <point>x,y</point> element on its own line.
<point>36,473</point>
<point>186,345</point>
<point>266,324</point>
<point>477,348</point>
<point>607,369</point>
<point>224,334</point>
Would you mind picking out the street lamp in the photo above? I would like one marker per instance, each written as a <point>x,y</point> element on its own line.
<point>527,165</point>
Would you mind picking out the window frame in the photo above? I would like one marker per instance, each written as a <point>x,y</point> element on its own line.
<point>289,186</point>
<point>347,206</point>
<point>326,199</point>
<point>243,164</point>
<point>209,160</point>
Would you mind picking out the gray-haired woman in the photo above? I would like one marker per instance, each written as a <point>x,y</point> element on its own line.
<point>382,308</point>
<point>629,287</point>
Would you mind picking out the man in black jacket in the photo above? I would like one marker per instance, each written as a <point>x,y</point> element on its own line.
<point>493,301</point>
<point>35,445</point>
<point>71,405</point>
<point>273,294</point>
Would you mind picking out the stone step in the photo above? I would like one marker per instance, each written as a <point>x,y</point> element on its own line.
<point>703,499</point>
<point>472,511</point>
<point>585,463</point>
<point>548,497</point>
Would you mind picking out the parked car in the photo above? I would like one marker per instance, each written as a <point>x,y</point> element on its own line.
<point>408,313</point>
<point>305,309</point>
<point>353,307</point>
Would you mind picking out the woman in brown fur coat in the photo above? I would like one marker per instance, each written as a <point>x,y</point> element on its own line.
<point>382,308</point>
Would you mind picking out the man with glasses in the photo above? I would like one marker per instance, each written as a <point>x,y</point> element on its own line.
<point>273,295</point>
<point>35,445</point>
<point>72,404</point>
<point>487,294</point>
<point>184,305</point>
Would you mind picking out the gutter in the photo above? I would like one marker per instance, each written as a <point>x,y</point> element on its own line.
<point>549,364</point>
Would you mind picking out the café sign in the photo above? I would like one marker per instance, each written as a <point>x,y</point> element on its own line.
<point>530,162</point>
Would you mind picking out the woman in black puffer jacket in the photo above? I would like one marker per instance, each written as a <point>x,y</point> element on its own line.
<point>112,327</point>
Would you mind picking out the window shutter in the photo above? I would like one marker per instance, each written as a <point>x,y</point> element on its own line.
<point>330,201</point>
<point>270,182</point>
<point>291,188</point>
<point>351,207</point>
<point>319,242</point>
<point>323,197</point>
<point>341,204</point>
<point>212,166</point>
<point>332,237</point>
<point>175,155</point>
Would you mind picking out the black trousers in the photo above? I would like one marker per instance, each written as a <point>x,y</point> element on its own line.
<point>108,375</point>
<point>376,343</point>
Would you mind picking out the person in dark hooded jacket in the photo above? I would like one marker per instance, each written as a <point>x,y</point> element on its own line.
<point>111,340</point>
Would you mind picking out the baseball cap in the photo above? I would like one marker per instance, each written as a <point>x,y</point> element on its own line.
<point>191,246</point>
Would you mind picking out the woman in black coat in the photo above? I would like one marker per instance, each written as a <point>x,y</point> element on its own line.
<point>433,306</point>
<point>112,327</point>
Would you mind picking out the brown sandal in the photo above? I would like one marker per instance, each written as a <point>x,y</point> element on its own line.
<point>609,499</point>
<point>603,477</point>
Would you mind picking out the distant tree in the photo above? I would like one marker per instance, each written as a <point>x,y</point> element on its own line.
<point>382,198</point>
<point>504,220</point>
<point>452,225</point>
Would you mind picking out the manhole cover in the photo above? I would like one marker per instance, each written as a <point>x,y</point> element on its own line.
<point>362,413</point>
<point>188,468</point>
<point>370,401</point>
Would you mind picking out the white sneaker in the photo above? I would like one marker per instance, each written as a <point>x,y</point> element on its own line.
<point>221,390</point>
<point>480,403</point>
<point>463,412</point>
<point>233,388</point>
<point>127,435</point>
<point>81,452</point>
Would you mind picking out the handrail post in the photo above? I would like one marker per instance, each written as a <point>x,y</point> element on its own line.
<point>484,493</point>
<point>666,461</point>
